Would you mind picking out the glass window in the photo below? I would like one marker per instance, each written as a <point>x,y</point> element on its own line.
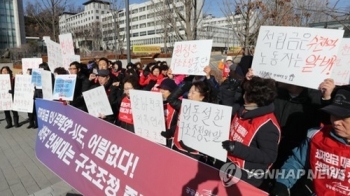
<point>151,32</point>
<point>143,25</point>
<point>150,24</point>
<point>135,34</point>
<point>134,11</point>
<point>143,17</point>
<point>143,33</point>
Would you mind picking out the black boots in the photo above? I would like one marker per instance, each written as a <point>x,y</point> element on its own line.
<point>9,123</point>
<point>15,119</point>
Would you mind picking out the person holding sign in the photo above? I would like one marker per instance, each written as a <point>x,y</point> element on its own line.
<point>255,132</point>
<point>80,86</point>
<point>171,115</point>
<point>7,70</point>
<point>198,91</point>
<point>125,119</point>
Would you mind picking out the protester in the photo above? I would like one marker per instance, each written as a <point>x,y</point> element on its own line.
<point>255,133</point>
<point>323,155</point>
<point>80,86</point>
<point>167,86</point>
<point>7,70</point>
<point>154,79</point>
<point>60,71</point>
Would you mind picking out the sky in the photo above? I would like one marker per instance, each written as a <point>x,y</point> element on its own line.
<point>213,6</point>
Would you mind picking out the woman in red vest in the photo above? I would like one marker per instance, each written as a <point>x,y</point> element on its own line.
<point>124,118</point>
<point>198,91</point>
<point>255,133</point>
<point>154,79</point>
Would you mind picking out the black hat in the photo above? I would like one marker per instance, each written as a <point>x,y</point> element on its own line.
<point>103,72</point>
<point>168,84</point>
<point>340,105</point>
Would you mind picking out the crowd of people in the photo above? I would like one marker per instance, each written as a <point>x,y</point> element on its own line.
<point>271,121</point>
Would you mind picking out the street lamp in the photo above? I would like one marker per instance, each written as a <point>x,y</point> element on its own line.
<point>127,30</point>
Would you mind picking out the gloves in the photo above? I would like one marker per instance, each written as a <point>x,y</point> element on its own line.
<point>10,91</point>
<point>188,149</point>
<point>166,134</point>
<point>228,145</point>
<point>279,190</point>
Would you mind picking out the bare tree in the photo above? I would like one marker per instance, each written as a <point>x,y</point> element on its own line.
<point>46,13</point>
<point>115,29</point>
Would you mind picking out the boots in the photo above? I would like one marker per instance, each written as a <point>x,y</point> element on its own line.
<point>9,123</point>
<point>15,119</point>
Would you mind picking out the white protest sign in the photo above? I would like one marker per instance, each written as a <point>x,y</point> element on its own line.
<point>148,115</point>
<point>64,87</point>
<point>24,94</point>
<point>96,101</point>
<point>46,79</point>
<point>66,43</point>
<point>341,70</point>
<point>30,63</point>
<point>295,55</point>
<point>36,78</point>
<point>204,126</point>
<point>190,57</point>
<point>53,54</point>
<point>5,95</point>
<point>68,59</point>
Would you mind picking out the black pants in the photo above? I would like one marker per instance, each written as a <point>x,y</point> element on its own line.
<point>9,118</point>
<point>33,120</point>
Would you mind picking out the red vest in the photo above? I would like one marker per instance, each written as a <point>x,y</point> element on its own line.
<point>169,115</point>
<point>155,87</point>
<point>243,131</point>
<point>176,138</point>
<point>125,113</point>
<point>330,164</point>
<point>226,70</point>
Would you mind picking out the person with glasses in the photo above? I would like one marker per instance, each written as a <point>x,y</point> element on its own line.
<point>81,85</point>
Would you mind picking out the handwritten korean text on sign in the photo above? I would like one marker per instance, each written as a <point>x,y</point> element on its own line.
<point>64,87</point>
<point>341,70</point>
<point>203,126</point>
<point>5,95</point>
<point>190,57</point>
<point>24,94</point>
<point>53,54</point>
<point>294,55</point>
<point>66,43</point>
<point>148,115</point>
<point>97,102</point>
<point>30,63</point>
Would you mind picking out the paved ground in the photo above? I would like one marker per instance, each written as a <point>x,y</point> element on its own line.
<point>21,174</point>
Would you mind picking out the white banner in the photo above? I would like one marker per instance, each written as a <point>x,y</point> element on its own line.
<point>46,79</point>
<point>5,95</point>
<point>295,55</point>
<point>97,102</point>
<point>190,57</point>
<point>54,55</point>
<point>24,94</point>
<point>204,126</point>
<point>148,115</point>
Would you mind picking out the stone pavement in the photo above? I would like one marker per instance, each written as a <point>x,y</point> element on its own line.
<point>21,174</point>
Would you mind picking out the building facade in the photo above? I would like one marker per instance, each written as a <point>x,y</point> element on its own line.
<point>12,24</point>
<point>104,26</point>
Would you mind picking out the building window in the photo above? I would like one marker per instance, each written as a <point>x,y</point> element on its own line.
<point>143,17</point>
<point>142,9</point>
<point>97,11</point>
<point>150,7</point>
<point>121,14</point>
<point>143,25</point>
<point>135,34</point>
<point>151,32</point>
<point>143,33</point>
<point>134,11</point>
<point>150,24</point>
<point>134,19</point>
<point>97,17</point>
<point>135,27</point>
<point>102,12</point>
<point>150,15</point>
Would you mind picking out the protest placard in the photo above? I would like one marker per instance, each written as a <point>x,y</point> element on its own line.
<point>46,78</point>
<point>36,78</point>
<point>64,87</point>
<point>68,59</point>
<point>24,94</point>
<point>295,55</point>
<point>54,54</point>
<point>204,126</point>
<point>30,63</point>
<point>97,103</point>
<point>66,44</point>
<point>341,70</point>
<point>5,94</point>
<point>99,158</point>
<point>190,57</point>
<point>148,115</point>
